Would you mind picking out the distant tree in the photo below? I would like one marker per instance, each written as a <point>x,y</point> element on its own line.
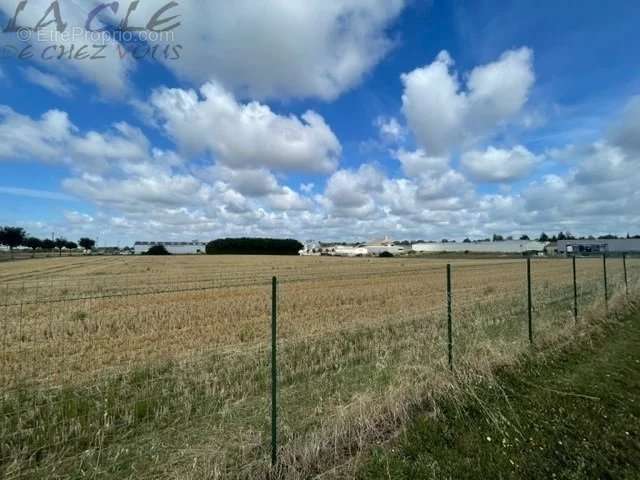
<point>158,250</point>
<point>48,244</point>
<point>87,243</point>
<point>591,237</point>
<point>543,237</point>
<point>71,246</point>
<point>444,240</point>
<point>498,238</point>
<point>254,246</point>
<point>12,237</point>
<point>607,237</point>
<point>466,240</point>
<point>628,236</point>
<point>386,255</point>
<point>525,237</point>
<point>33,243</point>
<point>561,236</point>
<point>60,243</point>
<point>510,237</point>
<point>554,239</point>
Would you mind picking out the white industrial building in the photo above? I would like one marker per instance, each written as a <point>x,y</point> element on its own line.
<point>385,245</point>
<point>347,251</point>
<point>598,246</point>
<point>506,246</point>
<point>174,248</point>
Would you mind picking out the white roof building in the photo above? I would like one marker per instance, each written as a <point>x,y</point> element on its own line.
<point>346,251</point>
<point>506,246</point>
<point>377,247</point>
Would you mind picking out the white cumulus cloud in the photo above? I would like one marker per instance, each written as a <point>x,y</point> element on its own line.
<point>443,115</point>
<point>109,73</point>
<point>261,49</point>
<point>417,163</point>
<point>246,135</point>
<point>499,165</point>
<point>390,129</point>
<point>281,48</point>
<point>42,139</point>
<point>350,193</point>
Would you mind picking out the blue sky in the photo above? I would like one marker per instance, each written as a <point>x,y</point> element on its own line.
<point>329,120</point>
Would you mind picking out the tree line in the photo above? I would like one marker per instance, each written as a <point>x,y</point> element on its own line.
<point>14,237</point>
<point>568,236</point>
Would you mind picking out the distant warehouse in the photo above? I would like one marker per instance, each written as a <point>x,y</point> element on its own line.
<point>598,246</point>
<point>506,246</point>
<point>174,248</point>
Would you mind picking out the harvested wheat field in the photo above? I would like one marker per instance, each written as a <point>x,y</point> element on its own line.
<point>159,367</point>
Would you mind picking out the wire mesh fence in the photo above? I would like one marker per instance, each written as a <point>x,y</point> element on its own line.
<point>118,368</point>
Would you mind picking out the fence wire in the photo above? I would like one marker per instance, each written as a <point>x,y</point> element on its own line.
<point>98,371</point>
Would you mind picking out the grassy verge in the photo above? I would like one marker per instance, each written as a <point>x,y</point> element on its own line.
<point>574,415</point>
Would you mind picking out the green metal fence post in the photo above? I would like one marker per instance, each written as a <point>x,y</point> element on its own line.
<point>575,291</point>
<point>529,300</point>
<point>449,317</point>
<point>274,372</point>
<point>606,287</point>
<point>626,281</point>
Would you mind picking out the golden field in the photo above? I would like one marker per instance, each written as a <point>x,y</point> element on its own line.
<point>158,367</point>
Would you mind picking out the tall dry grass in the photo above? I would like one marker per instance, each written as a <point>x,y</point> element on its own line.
<point>159,367</point>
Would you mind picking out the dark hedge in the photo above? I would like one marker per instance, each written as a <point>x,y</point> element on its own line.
<point>253,246</point>
<point>158,250</point>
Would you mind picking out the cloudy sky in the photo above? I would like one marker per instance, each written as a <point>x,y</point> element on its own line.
<point>331,120</point>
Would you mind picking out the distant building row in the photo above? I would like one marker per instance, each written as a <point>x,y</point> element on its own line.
<point>563,247</point>
<point>506,246</point>
<point>386,245</point>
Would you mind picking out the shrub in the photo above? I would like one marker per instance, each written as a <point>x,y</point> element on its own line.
<point>158,250</point>
<point>386,255</point>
